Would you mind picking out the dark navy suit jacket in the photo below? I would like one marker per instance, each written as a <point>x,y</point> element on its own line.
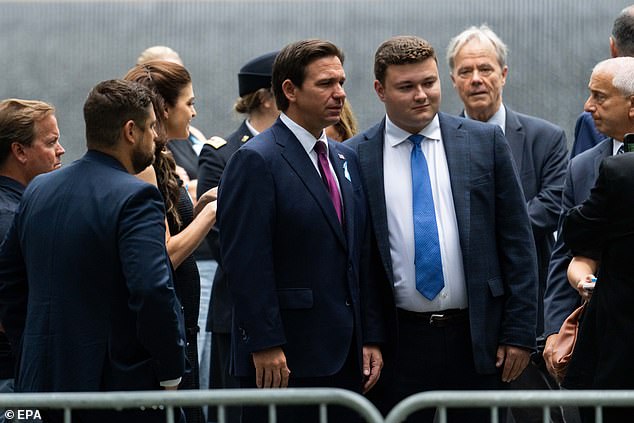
<point>294,271</point>
<point>541,156</point>
<point>212,162</point>
<point>86,283</point>
<point>494,229</point>
<point>560,298</point>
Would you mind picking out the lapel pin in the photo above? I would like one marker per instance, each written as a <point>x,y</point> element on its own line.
<point>341,156</point>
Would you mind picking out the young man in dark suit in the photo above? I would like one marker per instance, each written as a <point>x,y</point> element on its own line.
<point>292,221</point>
<point>85,281</point>
<point>451,225</point>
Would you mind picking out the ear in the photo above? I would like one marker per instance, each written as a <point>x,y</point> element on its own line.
<point>613,51</point>
<point>128,132</point>
<point>453,79</point>
<point>288,88</point>
<point>380,90</point>
<point>505,72</point>
<point>630,112</point>
<point>19,152</point>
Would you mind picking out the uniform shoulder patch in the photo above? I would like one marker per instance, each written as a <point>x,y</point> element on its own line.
<point>216,142</point>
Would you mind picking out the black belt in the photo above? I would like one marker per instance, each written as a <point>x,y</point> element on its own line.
<point>437,318</point>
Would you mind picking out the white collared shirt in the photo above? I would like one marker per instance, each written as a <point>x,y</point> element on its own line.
<point>499,118</point>
<point>400,221</point>
<point>308,141</point>
<point>616,144</point>
<point>253,131</point>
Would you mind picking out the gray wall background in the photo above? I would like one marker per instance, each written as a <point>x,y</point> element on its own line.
<point>58,50</point>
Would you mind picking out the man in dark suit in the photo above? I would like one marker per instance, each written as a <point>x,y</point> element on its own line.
<point>477,61</point>
<point>257,102</point>
<point>587,135</point>
<point>292,221</point>
<point>601,230</point>
<point>610,108</point>
<point>29,146</point>
<point>97,311</point>
<point>474,327</point>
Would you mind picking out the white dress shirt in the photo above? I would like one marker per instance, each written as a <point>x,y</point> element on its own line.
<point>616,144</point>
<point>400,221</point>
<point>308,141</point>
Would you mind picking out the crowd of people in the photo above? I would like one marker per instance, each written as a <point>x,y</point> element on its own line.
<point>430,251</point>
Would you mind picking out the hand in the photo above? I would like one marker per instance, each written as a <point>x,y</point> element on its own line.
<point>586,294</point>
<point>514,359</point>
<point>182,174</point>
<point>372,365</point>
<point>209,196</point>
<point>271,370</point>
<point>548,354</point>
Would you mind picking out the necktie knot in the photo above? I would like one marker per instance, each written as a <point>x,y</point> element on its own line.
<point>416,139</point>
<point>320,148</point>
<point>621,150</point>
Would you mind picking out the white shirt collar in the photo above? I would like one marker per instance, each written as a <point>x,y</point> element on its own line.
<point>616,144</point>
<point>251,128</point>
<point>306,139</point>
<point>396,135</point>
<point>499,118</point>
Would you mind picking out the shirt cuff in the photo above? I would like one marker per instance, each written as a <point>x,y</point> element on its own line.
<point>171,383</point>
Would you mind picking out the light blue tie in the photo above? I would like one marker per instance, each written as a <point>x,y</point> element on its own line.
<point>429,276</point>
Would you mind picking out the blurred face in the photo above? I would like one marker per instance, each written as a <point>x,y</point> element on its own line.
<point>611,111</point>
<point>318,102</point>
<point>143,151</point>
<point>478,79</point>
<point>411,94</point>
<point>180,115</point>
<point>45,152</point>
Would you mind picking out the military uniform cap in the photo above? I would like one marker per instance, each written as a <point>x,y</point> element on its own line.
<point>256,74</point>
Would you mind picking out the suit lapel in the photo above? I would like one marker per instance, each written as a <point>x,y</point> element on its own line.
<point>298,160</point>
<point>339,163</point>
<point>457,150</point>
<point>514,133</point>
<point>370,152</point>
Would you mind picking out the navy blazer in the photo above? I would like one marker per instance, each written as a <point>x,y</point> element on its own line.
<point>212,162</point>
<point>88,249</point>
<point>293,270</point>
<point>494,230</point>
<point>560,299</point>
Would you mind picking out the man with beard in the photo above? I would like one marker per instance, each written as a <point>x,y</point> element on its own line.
<point>85,280</point>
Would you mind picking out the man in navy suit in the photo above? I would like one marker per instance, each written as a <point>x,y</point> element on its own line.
<point>85,281</point>
<point>477,60</point>
<point>611,110</point>
<point>477,328</point>
<point>292,221</point>
<point>587,135</point>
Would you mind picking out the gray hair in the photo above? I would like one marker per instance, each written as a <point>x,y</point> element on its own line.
<point>622,71</point>
<point>484,34</point>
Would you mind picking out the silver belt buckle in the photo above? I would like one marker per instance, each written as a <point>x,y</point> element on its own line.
<point>433,318</point>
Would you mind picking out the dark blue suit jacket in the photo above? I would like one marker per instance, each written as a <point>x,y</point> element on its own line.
<point>495,233</point>
<point>560,298</point>
<point>88,249</point>
<point>541,156</point>
<point>586,134</point>
<point>293,270</point>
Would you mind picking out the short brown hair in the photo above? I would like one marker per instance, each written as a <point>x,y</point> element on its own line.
<point>17,122</point>
<point>110,104</point>
<point>292,61</point>
<point>401,50</point>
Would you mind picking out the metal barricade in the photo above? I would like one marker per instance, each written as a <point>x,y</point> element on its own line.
<point>171,399</point>
<point>494,400</point>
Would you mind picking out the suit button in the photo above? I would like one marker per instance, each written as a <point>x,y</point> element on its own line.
<point>348,302</point>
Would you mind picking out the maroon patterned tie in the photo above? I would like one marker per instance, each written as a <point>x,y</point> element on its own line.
<point>328,177</point>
